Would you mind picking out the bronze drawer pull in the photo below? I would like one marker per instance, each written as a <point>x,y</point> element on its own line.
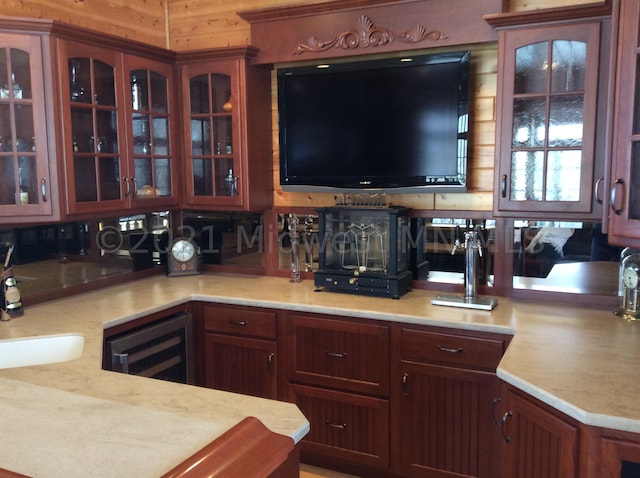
<point>335,354</point>
<point>506,417</point>
<point>450,350</point>
<point>241,323</point>
<point>339,426</point>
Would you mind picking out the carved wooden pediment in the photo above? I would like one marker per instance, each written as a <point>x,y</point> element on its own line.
<point>366,34</point>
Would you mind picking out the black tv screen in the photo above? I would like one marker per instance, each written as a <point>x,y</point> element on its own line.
<point>395,123</point>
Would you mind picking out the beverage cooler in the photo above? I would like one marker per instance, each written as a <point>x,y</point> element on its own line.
<point>364,250</point>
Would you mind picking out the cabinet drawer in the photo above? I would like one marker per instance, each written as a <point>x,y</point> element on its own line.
<point>344,426</point>
<point>481,353</point>
<point>240,321</point>
<point>352,356</point>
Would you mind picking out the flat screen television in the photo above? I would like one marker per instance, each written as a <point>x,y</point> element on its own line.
<point>396,124</point>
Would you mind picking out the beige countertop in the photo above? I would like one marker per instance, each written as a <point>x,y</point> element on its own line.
<point>582,361</point>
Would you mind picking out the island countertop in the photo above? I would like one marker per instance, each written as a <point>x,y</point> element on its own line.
<point>581,360</point>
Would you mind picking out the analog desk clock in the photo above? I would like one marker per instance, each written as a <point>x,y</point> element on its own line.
<point>630,272</point>
<point>183,258</point>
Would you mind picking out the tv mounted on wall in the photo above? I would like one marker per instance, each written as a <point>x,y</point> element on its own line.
<point>396,124</point>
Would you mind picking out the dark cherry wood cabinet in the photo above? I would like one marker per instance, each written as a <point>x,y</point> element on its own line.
<point>240,350</point>
<point>625,191</point>
<point>443,395</point>
<point>552,131</point>
<point>28,168</point>
<point>226,113</point>
<point>620,456</point>
<point>152,114</point>
<point>118,114</point>
<point>337,371</point>
<point>540,442</point>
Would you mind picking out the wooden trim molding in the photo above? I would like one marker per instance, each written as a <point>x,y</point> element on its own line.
<point>366,34</point>
<point>248,450</point>
<point>343,28</point>
<point>550,15</point>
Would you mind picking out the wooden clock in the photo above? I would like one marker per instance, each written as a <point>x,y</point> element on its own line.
<point>183,258</point>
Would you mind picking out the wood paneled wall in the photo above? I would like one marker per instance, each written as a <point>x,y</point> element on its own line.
<point>198,24</point>
<point>141,20</point>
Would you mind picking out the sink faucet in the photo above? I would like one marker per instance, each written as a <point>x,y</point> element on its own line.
<point>473,251</point>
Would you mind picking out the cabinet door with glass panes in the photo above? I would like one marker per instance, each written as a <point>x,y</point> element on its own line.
<point>546,129</point>
<point>212,143</point>
<point>226,111</point>
<point>151,151</point>
<point>92,98</point>
<point>624,217</point>
<point>24,158</point>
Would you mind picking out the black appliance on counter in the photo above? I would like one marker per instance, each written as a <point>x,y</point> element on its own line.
<point>162,350</point>
<point>364,250</point>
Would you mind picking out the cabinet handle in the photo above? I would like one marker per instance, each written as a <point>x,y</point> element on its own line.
<point>596,190</point>
<point>335,354</point>
<point>618,184</point>
<point>503,186</point>
<point>127,187</point>
<point>506,417</point>
<point>241,323</point>
<point>135,186</point>
<point>270,358</point>
<point>339,426</point>
<point>450,350</point>
<point>493,414</point>
<point>405,384</point>
<point>43,189</point>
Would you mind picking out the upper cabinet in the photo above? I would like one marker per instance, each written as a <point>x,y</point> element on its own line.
<point>227,127</point>
<point>550,153</point>
<point>27,160</point>
<point>624,225</point>
<point>117,130</point>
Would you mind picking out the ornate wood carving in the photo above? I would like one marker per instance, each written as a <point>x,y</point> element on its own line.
<point>366,34</point>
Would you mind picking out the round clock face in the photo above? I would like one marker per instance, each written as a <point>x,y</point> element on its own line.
<point>630,276</point>
<point>183,250</point>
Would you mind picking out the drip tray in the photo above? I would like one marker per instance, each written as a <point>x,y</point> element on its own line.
<point>480,303</point>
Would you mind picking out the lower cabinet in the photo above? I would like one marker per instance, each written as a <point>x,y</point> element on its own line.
<point>443,396</point>
<point>540,442</point>
<point>388,399</point>
<point>240,349</point>
<point>620,456</point>
<point>337,372</point>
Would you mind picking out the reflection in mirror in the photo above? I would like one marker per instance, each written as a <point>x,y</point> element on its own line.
<point>570,257</point>
<point>227,238</point>
<point>52,257</point>
<point>307,238</point>
<point>445,258</point>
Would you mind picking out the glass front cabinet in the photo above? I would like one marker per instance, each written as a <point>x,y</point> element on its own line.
<point>546,129</point>
<point>25,183</point>
<point>118,140</point>
<point>624,216</point>
<point>227,120</point>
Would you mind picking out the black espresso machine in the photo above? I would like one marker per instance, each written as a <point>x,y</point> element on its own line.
<point>364,250</point>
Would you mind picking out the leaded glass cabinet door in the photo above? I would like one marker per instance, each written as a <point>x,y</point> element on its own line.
<point>151,148</point>
<point>548,90</point>
<point>96,179</point>
<point>24,163</point>
<point>624,228</point>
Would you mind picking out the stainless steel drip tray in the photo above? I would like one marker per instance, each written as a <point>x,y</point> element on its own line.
<point>480,303</point>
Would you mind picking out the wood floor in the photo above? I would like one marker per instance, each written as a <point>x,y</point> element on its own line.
<point>308,471</point>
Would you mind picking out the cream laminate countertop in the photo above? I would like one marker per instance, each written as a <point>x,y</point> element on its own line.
<point>74,419</point>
